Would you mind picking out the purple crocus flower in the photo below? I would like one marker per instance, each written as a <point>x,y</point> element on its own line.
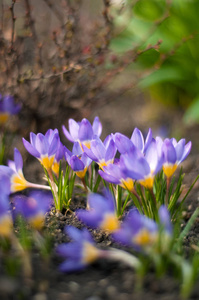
<point>101,213</point>
<point>143,167</point>
<point>79,253</point>
<point>124,144</point>
<point>77,160</point>
<point>14,174</point>
<point>82,132</point>
<point>43,147</point>
<point>7,108</point>
<point>174,153</point>
<point>102,153</point>
<point>142,233</point>
<point>115,173</point>
<point>34,207</point>
<point>6,222</point>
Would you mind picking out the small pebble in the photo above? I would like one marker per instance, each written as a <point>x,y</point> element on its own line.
<point>94,298</point>
<point>40,296</point>
<point>73,286</point>
<point>103,282</point>
<point>111,291</point>
<point>65,296</point>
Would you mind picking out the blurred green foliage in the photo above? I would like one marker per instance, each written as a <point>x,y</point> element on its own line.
<point>171,71</point>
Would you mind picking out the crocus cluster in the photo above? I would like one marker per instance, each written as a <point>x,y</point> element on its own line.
<point>139,159</point>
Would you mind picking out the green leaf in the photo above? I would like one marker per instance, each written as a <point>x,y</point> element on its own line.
<point>166,74</point>
<point>192,113</point>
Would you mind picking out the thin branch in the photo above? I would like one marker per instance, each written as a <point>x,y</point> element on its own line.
<point>55,11</point>
<point>2,18</point>
<point>13,24</point>
<point>30,21</point>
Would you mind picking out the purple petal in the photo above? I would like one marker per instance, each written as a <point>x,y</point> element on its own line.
<point>31,149</point>
<point>169,152</point>
<point>73,129</point>
<point>123,143</point>
<point>86,160</point>
<point>187,150</point>
<point>137,139</point>
<point>71,266</point>
<point>76,164</point>
<point>33,139</point>
<point>85,131</point>
<point>179,148</point>
<point>98,148</point>
<point>111,151</point>
<point>148,140</point>
<point>90,218</point>
<point>89,153</point>
<point>72,250</point>
<point>108,177</point>
<point>152,157</point>
<point>101,203</point>
<point>77,150</point>
<point>97,127</point>
<point>41,144</point>
<point>54,145</point>
<point>67,134</point>
<point>74,233</point>
<point>164,218</point>
<point>18,160</point>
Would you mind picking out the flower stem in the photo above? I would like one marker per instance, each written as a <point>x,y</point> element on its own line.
<point>120,255</point>
<point>167,191</point>
<point>38,186</point>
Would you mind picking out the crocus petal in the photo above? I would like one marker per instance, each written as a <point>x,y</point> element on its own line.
<point>187,150</point>
<point>134,166</point>
<point>89,153</point>
<point>85,130</point>
<point>30,148</point>
<point>33,138</point>
<point>122,142</point>
<point>164,218</point>
<point>137,139</point>
<point>101,203</point>
<point>69,249</point>
<point>71,266</point>
<point>111,151</point>
<point>67,134</point>
<point>76,164</point>
<point>108,177</point>
<point>90,218</point>
<point>18,160</point>
<point>54,145</point>
<point>41,144</point>
<point>98,148</point>
<point>86,160</point>
<point>169,152</point>
<point>73,129</point>
<point>179,148</point>
<point>76,234</point>
<point>77,150</point>
<point>148,140</point>
<point>155,162</point>
<point>97,127</point>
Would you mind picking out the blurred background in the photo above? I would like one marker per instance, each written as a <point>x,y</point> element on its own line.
<point>132,63</point>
